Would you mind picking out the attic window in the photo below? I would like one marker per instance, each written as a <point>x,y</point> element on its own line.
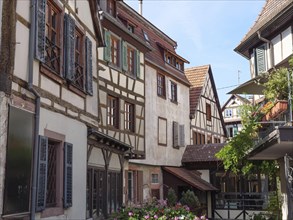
<point>146,37</point>
<point>130,28</point>
<point>174,61</point>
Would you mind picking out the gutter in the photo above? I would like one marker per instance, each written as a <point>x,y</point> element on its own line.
<point>271,48</point>
<point>37,108</point>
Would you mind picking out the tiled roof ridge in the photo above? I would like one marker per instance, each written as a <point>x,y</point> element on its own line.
<point>197,67</point>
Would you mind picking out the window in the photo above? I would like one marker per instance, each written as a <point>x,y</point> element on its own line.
<point>260,60</point>
<point>146,37</point>
<point>155,178</point>
<point>134,186</point>
<point>178,135</point>
<point>228,113</point>
<point>111,7</point>
<point>129,114</point>
<point>161,86</point>
<point>130,60</point>
<point>174,61</point>
<point>66,54</point>
<point>162,131</point>
<point>209,139</point>
<point>53,38</point>
<point>173,91</point>
<point>79,66</point>
<point>208,112</point>
<point>130,27</point>
<point>198,138</point>
<point>54,188</point>
<point>113,111</point>
<point>115,51</point>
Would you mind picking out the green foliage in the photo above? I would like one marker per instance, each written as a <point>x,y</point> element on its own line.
<point>274,205</point>
<point>189,199</point>
<point>171,197</point>
<point>276,88</point>
<point>234,153</point>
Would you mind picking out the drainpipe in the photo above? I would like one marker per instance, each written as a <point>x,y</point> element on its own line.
<point>37,108</point>
<point>271,48</point>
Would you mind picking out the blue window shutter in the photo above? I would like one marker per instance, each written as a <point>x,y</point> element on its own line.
<point>124,56</point>
<point>260,62</point>
<point>40,15</point>
<point>107,49</point>
<point>89,66</point>
<point>137,64</point>
<point>67,197</point>
<point>69,50</point>
<point>42,173</point>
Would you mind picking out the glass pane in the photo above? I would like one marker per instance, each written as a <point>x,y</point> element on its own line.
<point>18,161</point>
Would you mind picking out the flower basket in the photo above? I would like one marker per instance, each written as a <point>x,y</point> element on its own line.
<point>279,107</point>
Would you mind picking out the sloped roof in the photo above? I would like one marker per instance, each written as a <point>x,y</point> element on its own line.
<point>201,153</point>
<point>271,11</point>
<point>158,41</point>
<point>191,177</point>
<point>233,96</point>
<point>196,77</point>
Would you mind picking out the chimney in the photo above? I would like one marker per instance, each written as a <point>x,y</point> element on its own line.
<point>140,7</point>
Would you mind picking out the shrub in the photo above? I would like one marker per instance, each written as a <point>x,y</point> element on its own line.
<point>171,197</point>
<point>190,199</point>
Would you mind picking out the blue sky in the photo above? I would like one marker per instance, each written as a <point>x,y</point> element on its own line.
<point>207,31</point>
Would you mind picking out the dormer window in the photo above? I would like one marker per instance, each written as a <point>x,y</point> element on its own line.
<point>111,7</point>
<point>130,28</point>
<point>174,61</point>
<point>146,37</point>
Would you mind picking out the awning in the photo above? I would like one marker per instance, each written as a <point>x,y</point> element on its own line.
<point>253,86</point>
<point>191,177</point>
<point>275,145</point>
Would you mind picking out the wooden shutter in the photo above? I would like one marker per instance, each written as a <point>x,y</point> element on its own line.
<point>137,64</point>
<point>69,51</point>
<point>260,62</point>
<point>124,56</point>
<point>182,136</point>
<point>175,134</point>
<point>89,66</point>
<point>140,186</point>
<point>42,173</point>
<point>107,49</point>
<point>67,197</point>
<point>40,14</point>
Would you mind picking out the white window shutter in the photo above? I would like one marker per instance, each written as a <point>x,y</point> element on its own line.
<point>169,90</point>
<point>175,134</point>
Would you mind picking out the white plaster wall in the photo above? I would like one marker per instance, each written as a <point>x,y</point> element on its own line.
<point>76,133</point>
<point>287,42</point>
<point>96,158</point>
<point>158,107</point>
<point>205,175</point>
<point>84,14</point>
<point>1,3</point>
<point>21,51</point>
<point>23,9</point>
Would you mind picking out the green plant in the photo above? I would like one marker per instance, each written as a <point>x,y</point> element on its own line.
<point>189,199</point>
<point>171,197</point>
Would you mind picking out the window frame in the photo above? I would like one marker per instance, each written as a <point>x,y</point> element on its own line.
<point>208,112</point>
<point>161,85</point>
<point>113,109</point>
<point>115,50</point>
<point>155,176</point>
<point>129,116</point>
<point>131,54</point>
<point>228,113</point>
<point>174,92</point>
<point>46,67</point>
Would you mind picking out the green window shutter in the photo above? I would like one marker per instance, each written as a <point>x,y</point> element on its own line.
<point>181,135</point>
<point>107,49</point>
<point>137,64</point>
<point>42,173</point>
<point>175,134</point>
<point>40,12</point>
<point>68,153</point>
<point>89,67</point>
<point>260,62</point>
<point>124,56</point>
<point>69,50</point>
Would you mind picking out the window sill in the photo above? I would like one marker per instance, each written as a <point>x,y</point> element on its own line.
<point>162,97</point>
<point>48,72</point>
<point>174,101</point>
<point>77,91</point>
<point>54,211</point>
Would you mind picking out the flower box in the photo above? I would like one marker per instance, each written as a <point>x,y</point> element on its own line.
<point>279,107</point>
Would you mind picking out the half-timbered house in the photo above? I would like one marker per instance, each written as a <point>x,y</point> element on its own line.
<point>51,89</point>
<point>268,46</point>
<point>166,101</point>
<point>121,107</point>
